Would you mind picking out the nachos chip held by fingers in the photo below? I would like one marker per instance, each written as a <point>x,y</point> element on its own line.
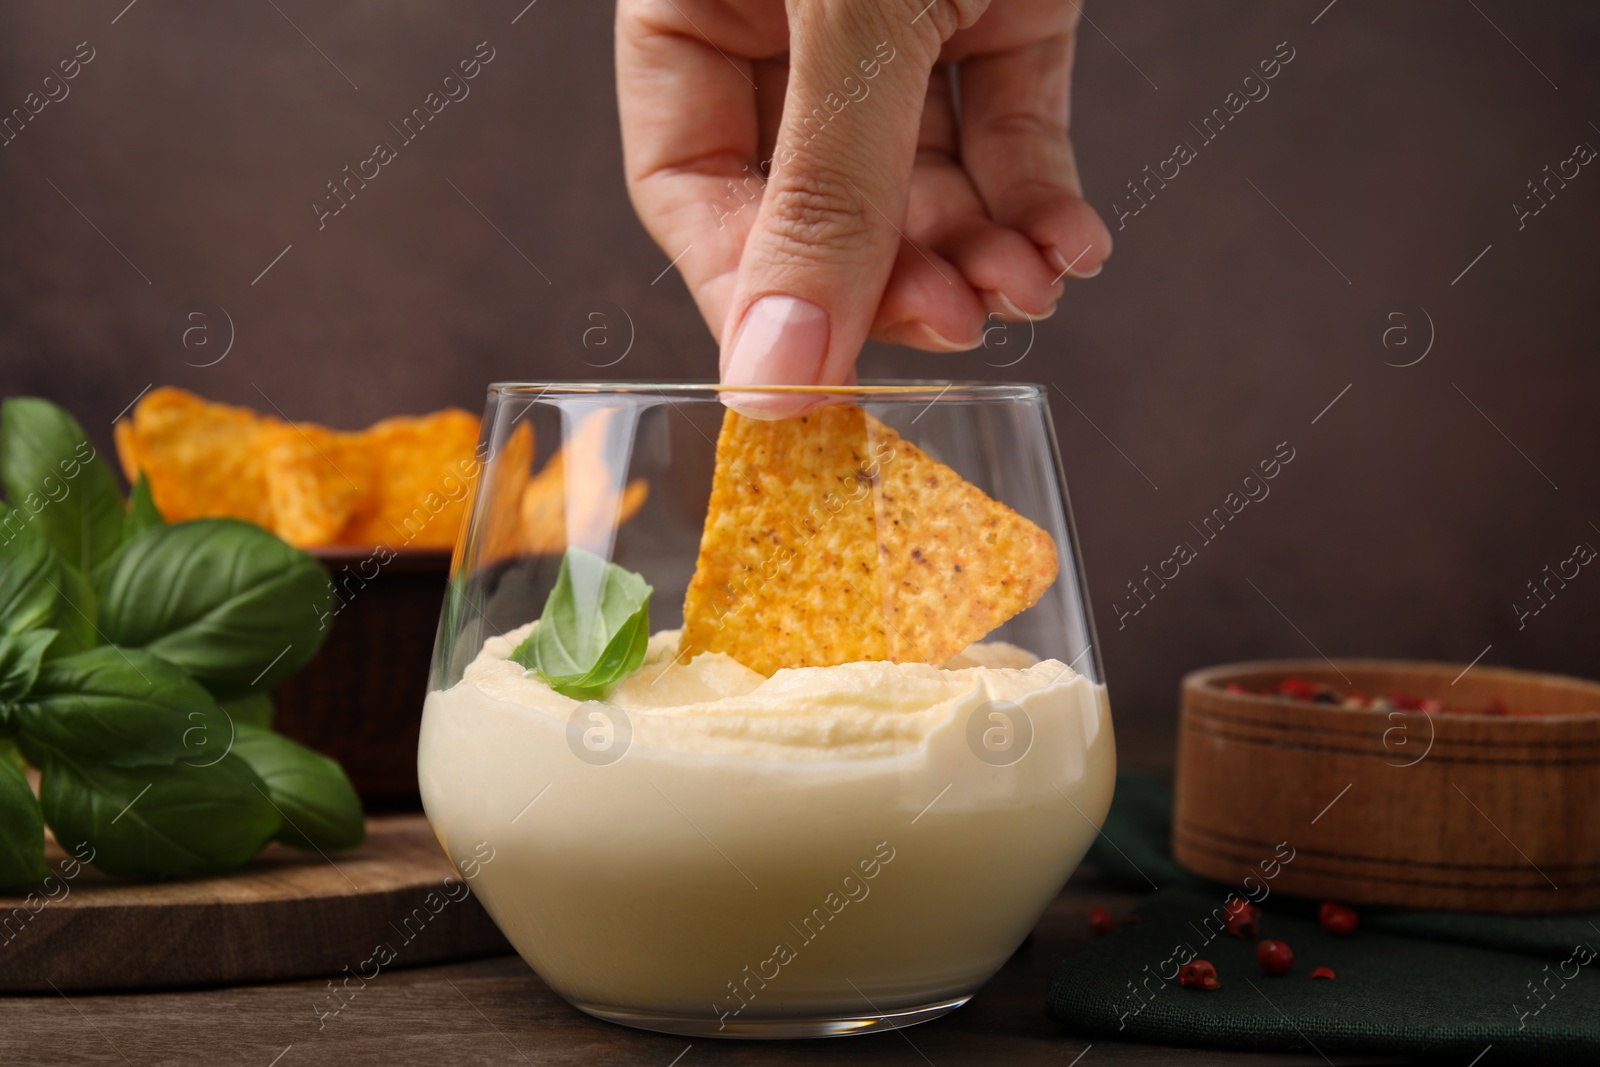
<point>830,539</point>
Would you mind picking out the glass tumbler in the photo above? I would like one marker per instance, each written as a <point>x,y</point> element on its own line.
<point>715,843</point>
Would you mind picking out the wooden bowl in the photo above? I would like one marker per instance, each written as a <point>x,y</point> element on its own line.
<point>1470,812</point>
<point>360,700</point>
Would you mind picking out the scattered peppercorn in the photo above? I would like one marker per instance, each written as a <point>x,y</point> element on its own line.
<point>1303,689</point>
<point>1101,922</point>
<point>1199,975</point>
<point>1275,957</point>
<point>1297,688</point>
<point>1242,919</point>
<point>1322,972</point>
<point>1338,919</point>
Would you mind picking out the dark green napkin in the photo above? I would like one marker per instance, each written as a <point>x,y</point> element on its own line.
<point>1396,995</point>
<point>1410,983</point>
<point>1134,851</point>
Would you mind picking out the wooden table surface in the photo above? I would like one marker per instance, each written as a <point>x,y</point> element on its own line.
<point>497,1011</point>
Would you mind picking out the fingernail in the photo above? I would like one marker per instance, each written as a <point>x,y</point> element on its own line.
<point>782,341</point>
<point>935,341</point>
<point>1000,304</point>
<point>1065,265</point>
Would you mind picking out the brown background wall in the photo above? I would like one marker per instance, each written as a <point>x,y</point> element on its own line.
<point>1391,149</point>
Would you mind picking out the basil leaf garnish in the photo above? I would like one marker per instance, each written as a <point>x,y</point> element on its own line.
<point>21,829</point>
<point>319,806</point>
<point>53,475</point>
<point>223,599</point>
<point>159,822</point>
<point>594,629</point>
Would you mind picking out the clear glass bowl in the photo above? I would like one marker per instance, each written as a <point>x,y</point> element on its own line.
<point>709,852</point>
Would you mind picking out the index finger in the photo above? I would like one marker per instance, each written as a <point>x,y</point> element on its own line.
<point>689,135</point>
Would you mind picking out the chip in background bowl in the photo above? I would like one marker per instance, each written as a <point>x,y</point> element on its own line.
<point>203,460</point>
<point>422,471</point>
<point>578,495</point>
<point>316,478</point>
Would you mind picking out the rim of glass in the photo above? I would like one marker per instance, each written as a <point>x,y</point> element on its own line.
<point>877,388</point>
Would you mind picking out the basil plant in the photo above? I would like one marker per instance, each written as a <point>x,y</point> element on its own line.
<point>136,659</point>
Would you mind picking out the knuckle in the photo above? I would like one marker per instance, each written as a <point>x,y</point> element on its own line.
<point>937,21</point>
<point>656,15</point>
<point>816,213</point>
<point>1027,127</point>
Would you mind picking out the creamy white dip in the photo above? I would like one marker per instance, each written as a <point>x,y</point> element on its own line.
<point>710,843</point>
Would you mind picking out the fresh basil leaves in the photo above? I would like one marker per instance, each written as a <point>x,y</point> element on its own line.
<point>252,709</point>
<point>142,511</point>
<point>20,658</point>
<point>38,591</point>
<point>318,805</point>
<point>135,663</point>
<point>30,578</point>
<point>22,841</point>
<point>172,820</point>
<point>594,628</point>
<point>223,599</point>
<point>50,471</point>
<point>122,707</point>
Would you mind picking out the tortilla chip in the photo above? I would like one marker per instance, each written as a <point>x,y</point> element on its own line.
<point>203,460</point>
<point>511,470</point>
<point>405,482</point>
<point>829,539</point>
<point>957,562</point>
<point>542,516</point>
<point>788,571</point>
<point>574,499</point>
<point>421,481</point>
<point>544,508</point>
<point>127,449</point>
<point>315,477</point>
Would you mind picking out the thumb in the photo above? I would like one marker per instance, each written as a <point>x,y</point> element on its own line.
<point>814,267</point>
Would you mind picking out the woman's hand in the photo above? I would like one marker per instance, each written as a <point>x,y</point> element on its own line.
<point>813,175</point>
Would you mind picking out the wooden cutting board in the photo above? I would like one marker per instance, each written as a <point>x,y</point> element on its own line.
<point>287,914</point>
